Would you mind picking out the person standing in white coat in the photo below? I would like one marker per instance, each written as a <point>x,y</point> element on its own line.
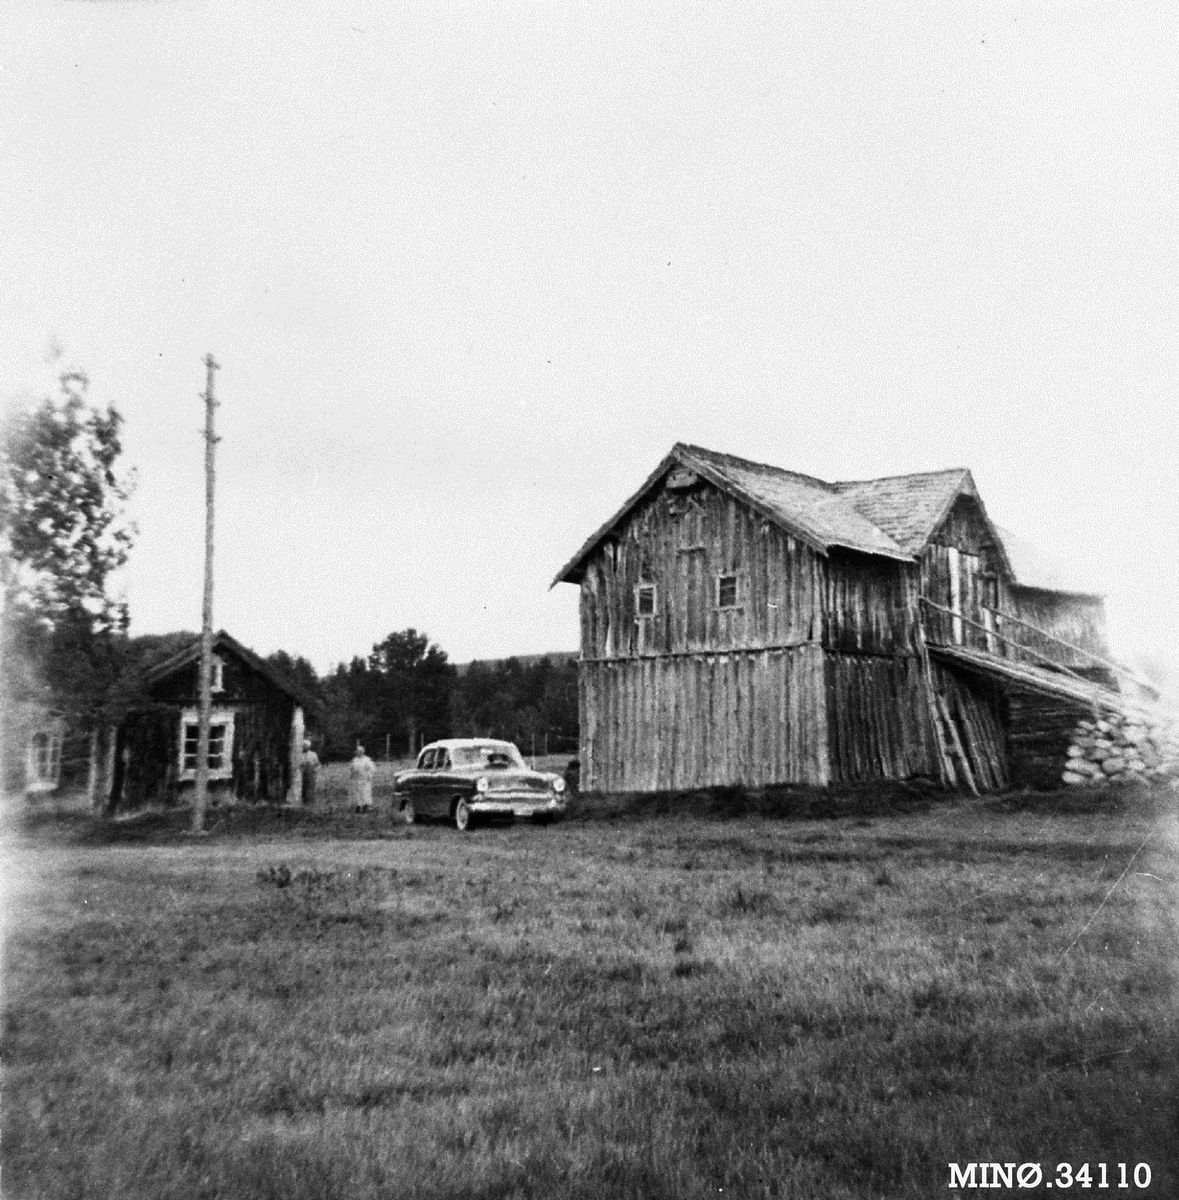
<point>360,781</point>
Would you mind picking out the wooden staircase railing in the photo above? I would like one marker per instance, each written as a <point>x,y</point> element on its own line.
<point>994,633</point>
<point>1119,669</point>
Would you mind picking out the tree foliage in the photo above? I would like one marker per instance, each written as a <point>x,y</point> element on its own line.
<point>406,692</point>
<point>63,533</point>
<point>530,702</point>
<point>299,669</point>
<point>61,507</point>
<point>398,695</point>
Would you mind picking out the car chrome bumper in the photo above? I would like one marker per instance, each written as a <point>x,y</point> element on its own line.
<point>527,805</point>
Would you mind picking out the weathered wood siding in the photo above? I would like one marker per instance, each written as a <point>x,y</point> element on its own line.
<point>704,720</point>
<point>1078,620</point>
<point>1040,733</point>
<point>962,569</point>
<point>682,543</point>
<point>869,604</point>
<point>977,706</point>
<point>878,718</point>
<point>146,750</point>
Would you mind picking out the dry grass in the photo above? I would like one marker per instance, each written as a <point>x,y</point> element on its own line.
<point>323,1005</point>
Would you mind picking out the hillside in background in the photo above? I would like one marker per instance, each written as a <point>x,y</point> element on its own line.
<point>557,658</point>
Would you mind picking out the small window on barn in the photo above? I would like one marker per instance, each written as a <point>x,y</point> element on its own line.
<point>217,675</point>
<point>646,597</point>
<point>220,758</point>
<point>726,591</point>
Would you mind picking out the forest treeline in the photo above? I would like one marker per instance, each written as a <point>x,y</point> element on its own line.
<point>406,692</point>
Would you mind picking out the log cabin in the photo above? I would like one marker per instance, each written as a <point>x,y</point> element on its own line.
<point>33,732</point>
<point>742,624</point>
<point>255,736</point>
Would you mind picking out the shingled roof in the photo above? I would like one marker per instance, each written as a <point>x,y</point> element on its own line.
<point>223,642</point>
<point>808,507</point>
<point>909,507</point>
<point>892,517</point>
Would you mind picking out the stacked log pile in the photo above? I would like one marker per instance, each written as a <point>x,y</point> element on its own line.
<point>1120,748</point>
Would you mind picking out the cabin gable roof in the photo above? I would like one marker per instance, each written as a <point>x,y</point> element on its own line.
<point>223,643</point>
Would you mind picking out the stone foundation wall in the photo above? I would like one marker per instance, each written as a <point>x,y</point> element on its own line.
<point>1120,748</point>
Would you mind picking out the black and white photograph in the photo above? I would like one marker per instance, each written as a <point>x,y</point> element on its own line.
<point>590,600</point>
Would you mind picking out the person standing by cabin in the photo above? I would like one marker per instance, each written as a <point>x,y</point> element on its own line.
<point>361,781</point>
<point>309,768</point>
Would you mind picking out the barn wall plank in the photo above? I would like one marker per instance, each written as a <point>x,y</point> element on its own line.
<point>878,718</point>
<point>725,710</point>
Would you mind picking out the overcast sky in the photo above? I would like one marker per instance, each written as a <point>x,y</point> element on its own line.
<point>472,270</point>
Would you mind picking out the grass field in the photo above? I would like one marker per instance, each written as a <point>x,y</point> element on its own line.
<point>628,1004</point>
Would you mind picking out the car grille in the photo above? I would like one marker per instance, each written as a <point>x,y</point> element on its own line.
<point>517,785</point>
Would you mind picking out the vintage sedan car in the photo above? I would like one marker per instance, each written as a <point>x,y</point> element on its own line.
<point>462,778</point>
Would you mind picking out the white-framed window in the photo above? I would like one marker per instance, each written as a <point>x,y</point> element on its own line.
<point>646,600</point>
<point>727,594</point>
<point>43,761</point>
<point>220,743</point>
<point>217,674</point>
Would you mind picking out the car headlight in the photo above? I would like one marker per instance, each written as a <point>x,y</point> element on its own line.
<point>558,785</point>
<point>481,784</point>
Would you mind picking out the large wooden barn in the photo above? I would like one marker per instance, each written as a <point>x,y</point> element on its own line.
<point>255,734</point>
<point>743,624</point>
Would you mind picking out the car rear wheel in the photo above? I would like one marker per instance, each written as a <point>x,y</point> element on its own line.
<point>407,813</point>
<point>462,814</point>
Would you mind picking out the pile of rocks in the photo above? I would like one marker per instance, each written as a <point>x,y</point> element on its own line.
<point>1118,747</point>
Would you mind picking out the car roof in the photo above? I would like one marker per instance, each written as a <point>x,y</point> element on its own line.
<point>456,743</point>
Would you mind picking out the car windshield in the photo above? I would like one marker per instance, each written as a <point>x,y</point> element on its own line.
<point>499,755</point>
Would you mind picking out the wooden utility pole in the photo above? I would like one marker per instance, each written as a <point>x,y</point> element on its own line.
<point>201,790</point>
<point>6,590</point>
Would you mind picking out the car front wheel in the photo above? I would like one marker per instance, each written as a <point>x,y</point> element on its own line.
<point>462,814</point>
<point>407,813</point>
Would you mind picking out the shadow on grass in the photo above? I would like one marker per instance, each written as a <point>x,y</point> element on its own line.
<point>784,803</point>
<point>1153,798</point>
<point>877,798</point>
<point>161,826</point>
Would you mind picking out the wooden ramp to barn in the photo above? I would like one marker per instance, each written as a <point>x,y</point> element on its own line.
<point>1042,708</point>
<point>1041,680</point>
